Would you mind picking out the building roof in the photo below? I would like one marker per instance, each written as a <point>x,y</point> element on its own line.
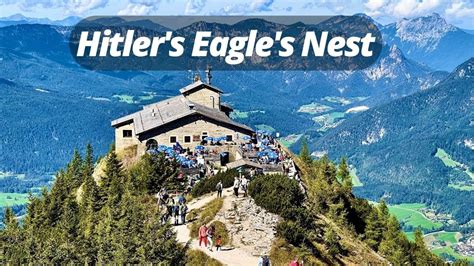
<point>161,113</point>
<point>197,85</point>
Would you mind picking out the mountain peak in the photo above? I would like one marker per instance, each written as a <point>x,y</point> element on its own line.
<point>465,70</point>
<point>16,17</point>
<point>424,31</point>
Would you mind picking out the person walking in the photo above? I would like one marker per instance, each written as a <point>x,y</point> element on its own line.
<point>219,188</point>
<point>184,210</point>
<point>295,262</point>
<point>182,199</point>
<point>218,243</point>
<point>176,214</point>
<point>203,235</point>
<point>210,235</point>
<point>263,261</point>
<point>244,185</point>
<point>236,186</point>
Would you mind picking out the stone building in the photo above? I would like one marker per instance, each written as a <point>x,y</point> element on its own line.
<point>187,118</point>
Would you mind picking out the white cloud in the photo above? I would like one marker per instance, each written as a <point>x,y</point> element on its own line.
<point>408,8</point>
<point>69,6</point>
<point>140,8</point>
<point>461,9</point>
<point>194,7</point>
<point>374,4</point>
<point>253,6</point>
<point>401,9</point>
<point>336,6</point>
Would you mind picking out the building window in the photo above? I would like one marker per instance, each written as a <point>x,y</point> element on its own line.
<point>187,139</point>
<point>173,139</point>
<point>127,133</point>
<point>229,138</point>
<point>203,135</point>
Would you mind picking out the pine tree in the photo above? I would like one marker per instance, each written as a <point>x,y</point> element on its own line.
<point>74,171</point>
<point>374,229</point>
<point>11,238</point>
<point>421,254</point>
<point>332,242</point>
<point>112,180</point>
<point>153,172</point>
<point>305,155</point>
<point>88,165</point>
<point>344,176</point>
<point>394,245</point>
<point>384,212</point>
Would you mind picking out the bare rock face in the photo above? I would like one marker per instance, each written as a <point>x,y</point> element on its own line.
<point>252,228</point>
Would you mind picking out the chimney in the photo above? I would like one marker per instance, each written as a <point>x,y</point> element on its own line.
<point>208,74</point>
<point>197,77</point>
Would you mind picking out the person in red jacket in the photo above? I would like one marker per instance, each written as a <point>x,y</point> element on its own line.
<point>203,235</point>
<point>295,262</point>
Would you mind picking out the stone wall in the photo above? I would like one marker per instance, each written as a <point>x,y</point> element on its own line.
<point>205,97</point>
<point>194,128</point>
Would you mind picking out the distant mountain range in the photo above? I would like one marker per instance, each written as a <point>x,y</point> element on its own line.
<point>19,19</point>
<point>394,146</point>
<point>431,40</point>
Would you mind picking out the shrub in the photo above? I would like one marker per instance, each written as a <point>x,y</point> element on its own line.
<point>196,257</point>
<point>282,253</point>
<point>153,171</point>
<point>206,215</point>
<point>291,231</point>
<point>209,184</point>
<point>221,230</point>
<point>276,193</point>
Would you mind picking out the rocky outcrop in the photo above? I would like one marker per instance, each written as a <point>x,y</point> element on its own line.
<point>251,227</point>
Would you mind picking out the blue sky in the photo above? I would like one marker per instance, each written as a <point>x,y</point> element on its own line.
<point>457,12</point>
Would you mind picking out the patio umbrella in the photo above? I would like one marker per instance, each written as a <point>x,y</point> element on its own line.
<point>272,155</point>
<point>199,148</point>
<point>162,148</point>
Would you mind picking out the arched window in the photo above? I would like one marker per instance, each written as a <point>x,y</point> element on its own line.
<point>151,145</point>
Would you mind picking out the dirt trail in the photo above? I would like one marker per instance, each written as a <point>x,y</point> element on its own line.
<point>227,256</point>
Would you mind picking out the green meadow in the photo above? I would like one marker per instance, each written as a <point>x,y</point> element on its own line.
<point>11,199</point>
<point>355,179</point>
<point>447,237</point>
<point>409,214</point>
<point>265,127</point>
<point>314,108</point>
<point>450,251</point>
<point>449,162</point>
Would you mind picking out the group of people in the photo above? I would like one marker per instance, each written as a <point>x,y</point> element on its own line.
<point>241,183</point>
<point>172,208</point>
<point>206,237</point>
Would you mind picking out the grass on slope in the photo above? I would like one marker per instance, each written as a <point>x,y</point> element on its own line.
<point>204,216</point>
<point>199,258</point>
<point>355,179</point>
<point>410,215</point>
<point>449,162</point>
<point>447,237</point>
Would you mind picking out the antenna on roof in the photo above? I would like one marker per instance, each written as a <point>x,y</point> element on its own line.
<point>208,74</point>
